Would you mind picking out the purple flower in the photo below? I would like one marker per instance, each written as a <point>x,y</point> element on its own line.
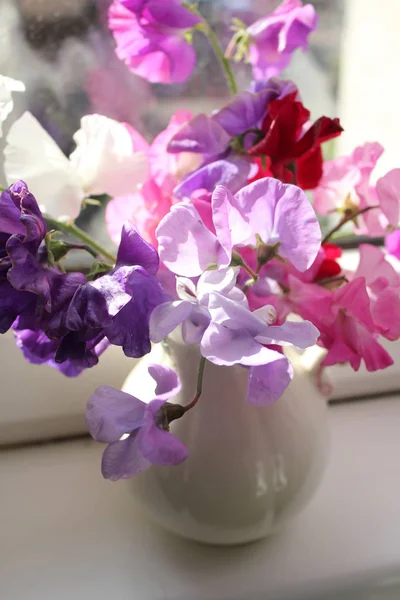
<point>136,433</point>
<point>192,308</point>
<point>212,136</point>
<point>117,305</point>
<point>273,39</point>
<point>267,209</point>
<point>39,349</point>
<point>392,243</point>
<point>150,40</point>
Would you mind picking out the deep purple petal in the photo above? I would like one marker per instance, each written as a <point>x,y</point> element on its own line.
<point>134,250</point>
<point>157,445</point>
<point>166,317</point>
<point>10,215</point>
<point>130,327</point>
<point>123,459</point>
<point>13,303</point>
<point>267,382</point>
<point>111,413</point>
<point>167,380</point>
<point>26,273</point>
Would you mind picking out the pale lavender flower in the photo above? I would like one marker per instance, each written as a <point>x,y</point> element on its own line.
<point>192,307</point>
<point>266,209</point>
<point>136,433</point>
<point>273,39</point>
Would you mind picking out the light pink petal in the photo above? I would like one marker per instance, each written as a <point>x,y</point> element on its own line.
<point>388,190</point>
<point>373,265</point>
<point>185,244</point>
<point>230,225</point>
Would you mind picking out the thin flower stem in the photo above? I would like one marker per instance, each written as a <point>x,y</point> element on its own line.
<point>224,62</point>
<point>72,229</point>
<point>253,274</point>
<point>199,387</point>
<point>346,219</point>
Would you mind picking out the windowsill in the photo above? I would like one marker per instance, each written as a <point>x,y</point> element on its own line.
<point>69,534</point>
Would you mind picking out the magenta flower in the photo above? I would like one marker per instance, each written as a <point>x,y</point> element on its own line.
<point>136,433</point>
<point>344,319</point>
<point>150,38</point>
<point>266,209</point>
<point>273,39</point>
<point>392,243</point>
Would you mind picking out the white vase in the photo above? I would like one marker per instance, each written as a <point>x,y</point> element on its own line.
<point>249,468</point>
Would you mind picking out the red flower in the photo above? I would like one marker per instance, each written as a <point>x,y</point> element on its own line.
<point>287,151</point>
<point>329,267</point>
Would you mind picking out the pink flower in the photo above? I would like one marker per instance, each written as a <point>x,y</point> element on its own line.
<point>147,207</point>
<point>150,40</point>
<point>383,286</point>
<point>274,38</point>
<point>345,322</point>
<point>346,186</point>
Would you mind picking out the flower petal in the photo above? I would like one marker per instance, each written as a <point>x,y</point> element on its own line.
<point>134,250</point>
<point>123,459</point>
<point>32,155</point>
<point>166,317</point>
<point>157,445</point>
<point>167,381</point>
<point>267,382</point>
<point>185,244</point>
<point>388,190</point>
<point>111,413</point>
<point>302,335</point>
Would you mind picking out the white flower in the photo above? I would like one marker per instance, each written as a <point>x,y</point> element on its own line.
<point>8,85</point>
<point>104,162</point>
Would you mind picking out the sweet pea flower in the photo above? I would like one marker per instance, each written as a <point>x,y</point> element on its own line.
<point>343,317</point>
<point>104,162</point>
<point>137,433</point>
<point>216,316</point>
<point>392,243</point>
<point>211,138</point>
<point>118,304</point>
<point>192,307</point>
<point>150,38</point>
<point>341,176</point>
<point>266,209</point>
<point>273,39</point>
<point>346,186</point>
<point>38,349</point>
<point>290,142</point>
<point>7,86</point>
<point>151,203</point>
<point>383,286</point>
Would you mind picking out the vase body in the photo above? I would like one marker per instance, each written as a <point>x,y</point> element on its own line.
<point>249,468</point>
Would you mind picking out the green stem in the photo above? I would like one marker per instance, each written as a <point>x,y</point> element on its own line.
<point>347,219</point>
<point>72,229</point>
<point>199,386</point>
<point>224,62</point>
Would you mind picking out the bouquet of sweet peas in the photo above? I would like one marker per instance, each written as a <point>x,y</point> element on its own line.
<point>215,232</point>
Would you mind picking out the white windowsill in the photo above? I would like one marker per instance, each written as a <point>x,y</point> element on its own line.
<point>66,533</point>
